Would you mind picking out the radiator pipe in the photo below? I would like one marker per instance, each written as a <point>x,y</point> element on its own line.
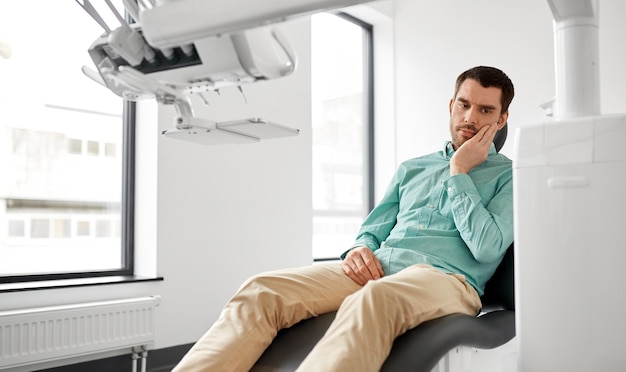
<point>144,359</point>
<point>134,357</point>
<point>139,352</point>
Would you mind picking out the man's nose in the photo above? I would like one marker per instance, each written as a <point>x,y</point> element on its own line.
<point>470,116</point>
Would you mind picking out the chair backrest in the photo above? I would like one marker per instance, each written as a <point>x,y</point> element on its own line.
<point>500,289</point>
<point>500,136</point>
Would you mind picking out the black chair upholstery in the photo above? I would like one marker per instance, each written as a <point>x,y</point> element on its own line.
<point>420,348</point>
<point>500,137</point>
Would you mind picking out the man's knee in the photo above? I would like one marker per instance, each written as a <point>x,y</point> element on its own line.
<point>263,284</point>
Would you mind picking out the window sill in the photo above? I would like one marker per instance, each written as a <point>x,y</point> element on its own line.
<point>70,283</point>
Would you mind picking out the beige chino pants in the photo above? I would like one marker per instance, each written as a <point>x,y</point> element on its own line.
<point>368,319</point>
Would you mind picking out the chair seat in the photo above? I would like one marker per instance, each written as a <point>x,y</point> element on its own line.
<point>292,345</point>
<point>421,348</point>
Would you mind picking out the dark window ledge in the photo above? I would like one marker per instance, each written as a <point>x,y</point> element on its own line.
<point>70,283</point>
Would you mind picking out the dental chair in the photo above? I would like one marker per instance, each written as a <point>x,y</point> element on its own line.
<point>421,348</point>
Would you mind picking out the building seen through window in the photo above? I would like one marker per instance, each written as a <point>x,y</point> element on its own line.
<point>341,168</point>
<point>61,141</point>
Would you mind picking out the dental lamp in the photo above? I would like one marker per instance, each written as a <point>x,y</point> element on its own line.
<point>177,49</point>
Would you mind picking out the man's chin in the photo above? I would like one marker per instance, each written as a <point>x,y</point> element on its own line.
<point>460,139</point>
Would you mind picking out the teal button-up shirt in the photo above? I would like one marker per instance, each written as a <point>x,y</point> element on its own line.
<point>461,224</point>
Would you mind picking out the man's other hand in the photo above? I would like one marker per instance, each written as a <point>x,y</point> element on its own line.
<point>361,265</point>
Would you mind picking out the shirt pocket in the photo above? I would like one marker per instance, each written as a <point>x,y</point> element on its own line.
<point>445,209</point>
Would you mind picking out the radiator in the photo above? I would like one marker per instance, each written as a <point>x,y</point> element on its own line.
<point>37,335</point>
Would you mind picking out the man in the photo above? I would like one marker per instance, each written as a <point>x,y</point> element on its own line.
<point>425,251</point>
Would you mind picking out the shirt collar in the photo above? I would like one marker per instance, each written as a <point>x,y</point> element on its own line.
<point>448,150</point>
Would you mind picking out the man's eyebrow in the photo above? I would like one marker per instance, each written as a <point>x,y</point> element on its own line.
<point>488,107</point>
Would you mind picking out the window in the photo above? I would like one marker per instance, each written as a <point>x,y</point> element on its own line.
<point>342,131</point>
<point>66,149</point>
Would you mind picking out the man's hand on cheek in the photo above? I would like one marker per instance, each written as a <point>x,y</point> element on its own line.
<point>473,151</point>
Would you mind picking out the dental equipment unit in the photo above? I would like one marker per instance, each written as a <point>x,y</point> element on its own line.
<point>177,49</point>
<point>569,176</point>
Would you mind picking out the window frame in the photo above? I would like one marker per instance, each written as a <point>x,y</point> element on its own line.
<point>127,213</point>
<point>368,93</point>
<point>368,88</point>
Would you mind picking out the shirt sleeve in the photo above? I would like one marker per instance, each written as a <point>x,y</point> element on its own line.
<point>486,230</point>
<point>381,220</point>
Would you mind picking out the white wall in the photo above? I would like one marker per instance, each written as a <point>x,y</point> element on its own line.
<point>514,36</point>
<point>437,40</point>
<point>228,212</point>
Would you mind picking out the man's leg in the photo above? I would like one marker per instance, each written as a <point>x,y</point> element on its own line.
<point>263,305</point>
<point>368,321</point>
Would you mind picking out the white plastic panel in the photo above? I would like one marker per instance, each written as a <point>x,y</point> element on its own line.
<point>470,359</point>
<point>175,23</point>
<point>258,128</point>
<point>569,143</point>
<point>575,141</point>
<point>570,252</point>
<point>532,153</point>
<point>206,136</point>
<point>609,134</point>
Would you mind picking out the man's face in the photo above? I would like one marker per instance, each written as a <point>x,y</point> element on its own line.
<point>473,107</point>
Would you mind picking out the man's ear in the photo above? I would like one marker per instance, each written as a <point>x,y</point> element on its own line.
<point>450,105</point>
<point>503,119</point>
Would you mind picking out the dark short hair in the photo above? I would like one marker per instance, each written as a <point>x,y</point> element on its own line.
<point>489,77</point>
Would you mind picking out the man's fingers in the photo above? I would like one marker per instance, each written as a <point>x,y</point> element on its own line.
<point>491,132</point>
<point>353,273</point>
<point>493,129</point>
<point>487,133</point>
<point>371,266</point>
<point>366,266</point>
<point>350,267</point>
<point>361,265</point>
<point>360,269</point>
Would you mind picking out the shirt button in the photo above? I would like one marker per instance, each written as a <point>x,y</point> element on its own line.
<point>421,226</point>
<point>450,189</point>
<point>431,206</point>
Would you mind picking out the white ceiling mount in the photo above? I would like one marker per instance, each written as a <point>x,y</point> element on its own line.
<point>576,57</point>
